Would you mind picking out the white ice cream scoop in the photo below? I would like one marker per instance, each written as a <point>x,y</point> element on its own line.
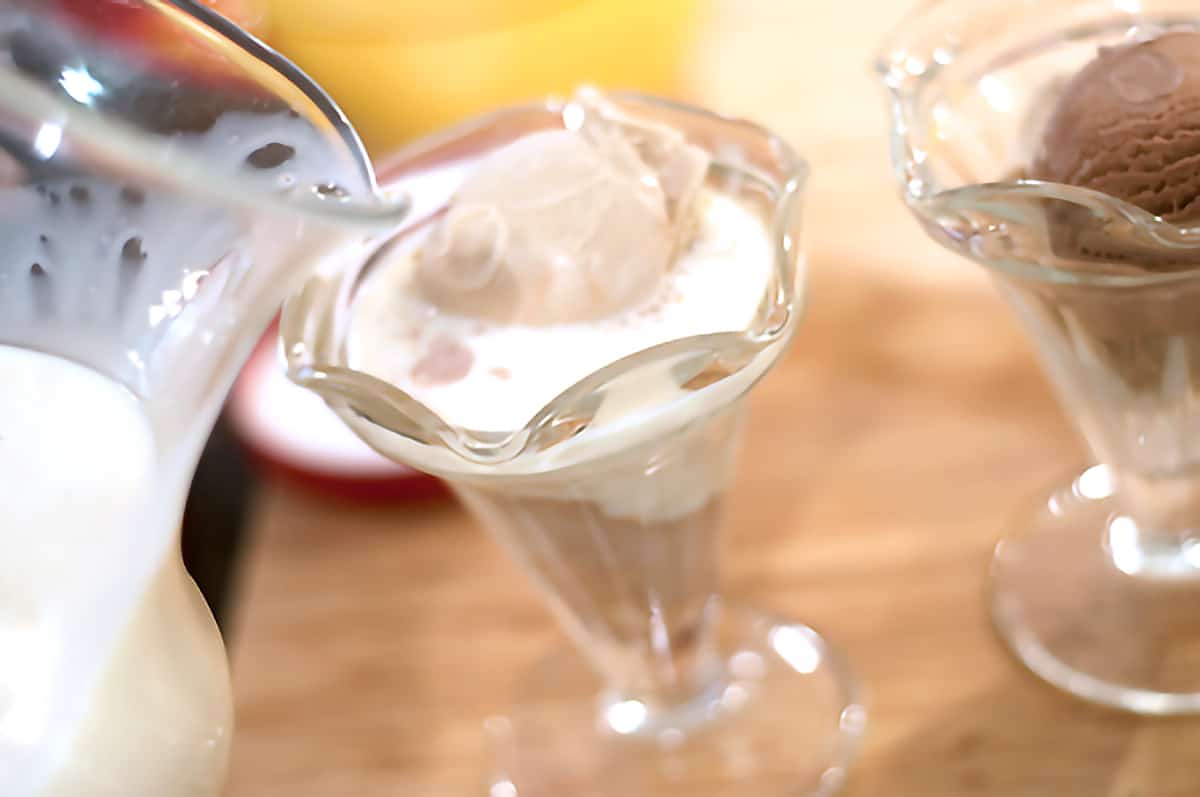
<point>565,225</point>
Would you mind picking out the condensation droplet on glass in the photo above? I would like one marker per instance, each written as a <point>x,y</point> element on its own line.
<point>330,191</point>
<point>853,719</point>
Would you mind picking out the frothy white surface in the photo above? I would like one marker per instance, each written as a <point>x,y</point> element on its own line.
<point>718,285</point>
<point>79,508</point>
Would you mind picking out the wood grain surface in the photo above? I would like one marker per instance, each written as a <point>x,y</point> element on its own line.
<point>884,457</point>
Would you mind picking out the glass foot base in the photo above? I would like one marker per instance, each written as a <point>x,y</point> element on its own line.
<point>784,720</point>
<point>1085,625</point>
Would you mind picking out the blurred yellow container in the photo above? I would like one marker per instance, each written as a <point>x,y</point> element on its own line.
<point>402,68</point>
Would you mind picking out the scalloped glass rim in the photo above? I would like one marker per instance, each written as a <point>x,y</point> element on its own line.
<point>360,397</point>
<point>928,200</point>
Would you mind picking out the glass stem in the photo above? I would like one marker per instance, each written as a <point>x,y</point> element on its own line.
<point>640,603</point>
<point>625,552</point>
<point>669,666</point>
<point>1159,537</point>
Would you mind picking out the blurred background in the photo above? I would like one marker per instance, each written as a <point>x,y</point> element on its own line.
<point>438,63</point>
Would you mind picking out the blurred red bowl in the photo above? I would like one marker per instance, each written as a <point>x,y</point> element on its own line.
<point>291,434</point>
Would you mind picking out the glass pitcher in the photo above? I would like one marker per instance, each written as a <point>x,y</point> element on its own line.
<point>164,180</point>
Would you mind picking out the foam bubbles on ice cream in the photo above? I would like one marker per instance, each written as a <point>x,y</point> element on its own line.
<point>566,225</point>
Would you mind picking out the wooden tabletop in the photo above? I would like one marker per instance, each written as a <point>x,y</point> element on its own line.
<point>883,457</point>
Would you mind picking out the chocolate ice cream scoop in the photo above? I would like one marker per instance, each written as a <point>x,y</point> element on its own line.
<point>1129,125</point>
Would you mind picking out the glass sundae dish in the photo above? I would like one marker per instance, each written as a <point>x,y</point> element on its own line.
<point>566,331</point>
<point>1055,144</point>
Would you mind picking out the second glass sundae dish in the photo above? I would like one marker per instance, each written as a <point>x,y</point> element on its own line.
<point>566,332</point>
<point>1058,145</point>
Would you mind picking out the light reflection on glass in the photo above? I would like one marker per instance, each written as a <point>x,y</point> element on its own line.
<point>914,66</point>
<point>854,718</point>
<point>79,83</point>
<point>671,739</point>
<point>734,697</point>
<point>573,117</point>
<point>1124,546</point>
<point>747,665</point>
<point>795,647</point>
<point>1096,483</point>
<point>192,282</point>
<point>503,788</point>
<point>1055,506</point>
<point>943,122</point>
<point>171,306</point>
<point>1191,552</point>
<point>47,140</point>
<point>626,716</point>
<point>997,93</point>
